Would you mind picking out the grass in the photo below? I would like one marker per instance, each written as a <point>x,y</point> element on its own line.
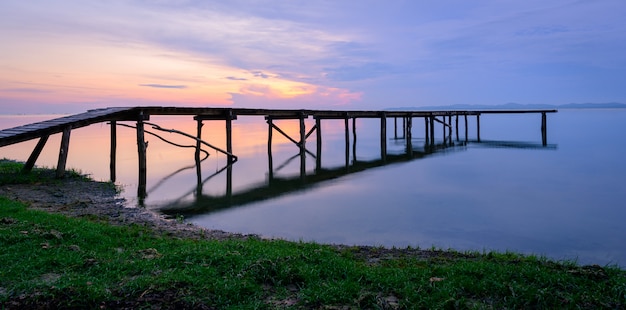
<point>49,260</point>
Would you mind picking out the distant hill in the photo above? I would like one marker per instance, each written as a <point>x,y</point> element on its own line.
<point>517,106</point>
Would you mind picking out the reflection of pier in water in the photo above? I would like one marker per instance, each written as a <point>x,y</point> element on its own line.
<point>278,186</point>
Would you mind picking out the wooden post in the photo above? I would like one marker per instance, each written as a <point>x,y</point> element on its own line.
<point>456,120</point>
<point>141,150</point>
<point>409,136</point>
<point>347,138</point>
<point>30,163</point>
<point>302,147</point>
<point>432,130</point>
<point>478,127</point>
<point>354,139</point>
<point>65,145</point>
<point>544,129</point>
<point>269,149</point>
<point>318,136</point>
<point>383,136</point>
<point>229,135</point>
<point>443,125</point>
<point>404,120</point>
<point>395,128</point>
<point>113,151</point>
<point>450,128</point>
<point>426,133</point>
<point>197,157</point>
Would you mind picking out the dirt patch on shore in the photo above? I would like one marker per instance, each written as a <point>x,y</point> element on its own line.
<point>76,197</point>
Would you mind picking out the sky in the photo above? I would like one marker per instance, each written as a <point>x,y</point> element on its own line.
<point>68,56</point>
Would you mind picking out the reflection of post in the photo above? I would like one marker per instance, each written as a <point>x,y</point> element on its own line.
<point>302,147</point>
<point>113,150</point>
<point>409,136</point>
<point>478,126</point>
<point>65,146</point>
<point>197,158</point>
<point>318,135</point>
<point>544,130</point>
<point>347,136</point>
<point>141,150</point>
<point>269,149</point>
<point>383,136</point>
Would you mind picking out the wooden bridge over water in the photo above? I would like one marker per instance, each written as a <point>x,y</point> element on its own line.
<point>141,116</point>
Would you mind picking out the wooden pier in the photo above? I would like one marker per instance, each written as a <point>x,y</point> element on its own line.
<point>141,117</point>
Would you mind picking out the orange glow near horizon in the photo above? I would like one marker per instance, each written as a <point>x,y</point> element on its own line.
<point>95,72</point>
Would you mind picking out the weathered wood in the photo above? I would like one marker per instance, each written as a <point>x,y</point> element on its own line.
<point>383,136</point>
<point>302,147</point>
<point>199,125</point>
<point>229,138</point>
<point>409,136</point>
<point>270,162</point>
<point>478,127</point>
<point>544,129</point>
<point>65,145</point>
<point>354,138</point>
<point>347,139</point>
<point>426,131</point>
<point>113,151</point>
<point>318,142</point>
<point>30,163</point>
<point>142,159</point>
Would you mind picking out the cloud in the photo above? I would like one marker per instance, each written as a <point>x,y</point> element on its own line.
<point>233,78</point>
<point>164,86</point>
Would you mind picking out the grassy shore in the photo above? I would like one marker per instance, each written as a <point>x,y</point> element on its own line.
<point>49,260</point>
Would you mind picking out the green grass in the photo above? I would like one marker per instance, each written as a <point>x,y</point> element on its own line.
<point>11,173</point>
<point>61,262</point>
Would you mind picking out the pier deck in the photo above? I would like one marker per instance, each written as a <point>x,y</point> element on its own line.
<point>140,115</point>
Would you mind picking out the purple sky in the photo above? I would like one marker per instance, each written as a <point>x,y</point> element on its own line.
<point>70,56</point>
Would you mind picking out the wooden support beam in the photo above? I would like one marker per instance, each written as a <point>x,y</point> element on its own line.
<point>347,138</point>
<point>142,160</point>
<point>65,145</point>
<point>30,163</point>
<point>478,127</point>
<point>113,151</point>
<point>383,136</point>
<point>302,147</point>
<point>269,149</point>
<point>409,136</point>
<point>432,130</point>
<point>229,137</point>
<point>354,140</point>
<point>544,129</point>
<point>426,131</point>
<point>318,142</point>
<point>456,120</point>
<point>199,126</point>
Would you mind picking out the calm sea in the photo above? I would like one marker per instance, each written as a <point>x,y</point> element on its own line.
<point>508,192</point>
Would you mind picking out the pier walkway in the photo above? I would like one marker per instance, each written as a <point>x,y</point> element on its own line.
<point>141,116</point>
